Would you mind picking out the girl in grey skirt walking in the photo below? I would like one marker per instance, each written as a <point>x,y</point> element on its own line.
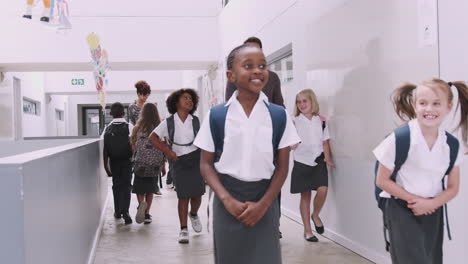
<point>247,176</point>
<point>413,211</point>
<point>180,129</point>
<point>311,158</point>
<point>148,162</point>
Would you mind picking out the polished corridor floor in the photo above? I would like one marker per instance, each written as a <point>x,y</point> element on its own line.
<point>157,242</point>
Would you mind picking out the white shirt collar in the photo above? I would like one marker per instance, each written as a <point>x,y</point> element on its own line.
<point>189,118</point>
<point>119,120</point>
<point>418,138</point>
<point>262,97</point>
<point>302,116</point>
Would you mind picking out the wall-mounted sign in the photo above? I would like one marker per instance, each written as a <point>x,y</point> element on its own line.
<point>77,81</point>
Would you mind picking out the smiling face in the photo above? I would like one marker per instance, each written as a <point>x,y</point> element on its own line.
<point>304,104</point>
<point>249,71</point>
<point>185,102</point>
<point>432,106</point>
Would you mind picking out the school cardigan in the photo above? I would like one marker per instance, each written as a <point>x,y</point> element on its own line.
<point>272,89</point>
<point>248,149</point>
<point>312,137</point>
<point>422,172</point>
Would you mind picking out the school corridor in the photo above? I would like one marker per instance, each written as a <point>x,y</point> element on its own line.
<point>64,63</point>
<point>157,242</point>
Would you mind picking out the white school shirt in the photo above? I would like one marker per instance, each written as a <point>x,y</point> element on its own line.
<point>248,150</point>
<point>312,137</point>
<point>422,172</point>
<point>183,134</point>
<point>118,121</point>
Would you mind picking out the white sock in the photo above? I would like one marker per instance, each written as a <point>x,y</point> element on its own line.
<point>28,10</point>
<point>46,12</point>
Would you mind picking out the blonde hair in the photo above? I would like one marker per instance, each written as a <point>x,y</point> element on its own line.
<point>403,100</point>
<point>309,94</point>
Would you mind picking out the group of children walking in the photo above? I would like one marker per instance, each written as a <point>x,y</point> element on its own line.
<point>242,148</point>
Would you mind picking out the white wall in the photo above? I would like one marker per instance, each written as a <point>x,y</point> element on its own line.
<point>119,81</point>
<point>180,8</point>
<point>32,87</point>
<point>353,54</point>
<point>54,126</point>
<point>6,108</point>
<point>147,31</point>
<point>453,65</point>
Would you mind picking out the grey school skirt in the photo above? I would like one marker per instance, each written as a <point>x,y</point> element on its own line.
<point>305,178</point>
<point>414,239</point>
<point>235,242</point>
<point>187,178</point>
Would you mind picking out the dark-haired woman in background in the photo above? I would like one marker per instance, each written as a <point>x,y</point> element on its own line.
<point>143,92</point>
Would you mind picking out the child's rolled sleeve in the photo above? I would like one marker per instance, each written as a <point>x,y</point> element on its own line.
<point>204,139</point>
<point>385,152</point>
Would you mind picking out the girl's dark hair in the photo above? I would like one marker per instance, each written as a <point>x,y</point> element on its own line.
<point>254,40</point>
<point>403,101</point>
<point>173,99</point>
<point>117,110</point>
<point>147,122</point>
<point>232,55</point>
<point>143,88</point>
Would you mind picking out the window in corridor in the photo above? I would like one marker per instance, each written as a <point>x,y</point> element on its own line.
<point>281,62</point>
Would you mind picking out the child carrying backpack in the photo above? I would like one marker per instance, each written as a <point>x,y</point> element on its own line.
<point>148,162</point>
<point>117,149</point>
<point>245,155</point>
<point>412,165</point>
<point>181,129</point>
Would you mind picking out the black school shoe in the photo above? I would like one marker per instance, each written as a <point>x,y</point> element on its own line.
<point>127,218</point>
<point>117,215</point>
<point>311,239</point>
<point>148,219</point>
<point>319,229</point>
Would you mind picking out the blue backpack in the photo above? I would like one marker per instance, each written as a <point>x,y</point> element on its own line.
<point>402,144</point>
<point>218,119</point>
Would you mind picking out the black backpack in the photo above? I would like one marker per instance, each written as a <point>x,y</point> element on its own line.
<point>117,142</point>
<point>171,130</point>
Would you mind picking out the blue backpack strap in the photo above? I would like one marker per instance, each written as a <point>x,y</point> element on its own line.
<point>278,118</point>
<point>217,123</point>
<point>195,125</point>
<point>454,146</point>
<point>402,146</point>
<point>170,130</point>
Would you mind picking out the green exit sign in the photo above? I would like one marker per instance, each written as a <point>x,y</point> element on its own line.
<point>77,81</point>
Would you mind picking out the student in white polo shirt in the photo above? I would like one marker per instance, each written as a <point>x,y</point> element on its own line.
<point>180,129</point>
<point>414,209</point>
<point>311,158</point>
<point>252,167</point>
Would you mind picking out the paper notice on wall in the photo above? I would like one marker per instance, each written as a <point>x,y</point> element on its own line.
<point>427,23</point>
